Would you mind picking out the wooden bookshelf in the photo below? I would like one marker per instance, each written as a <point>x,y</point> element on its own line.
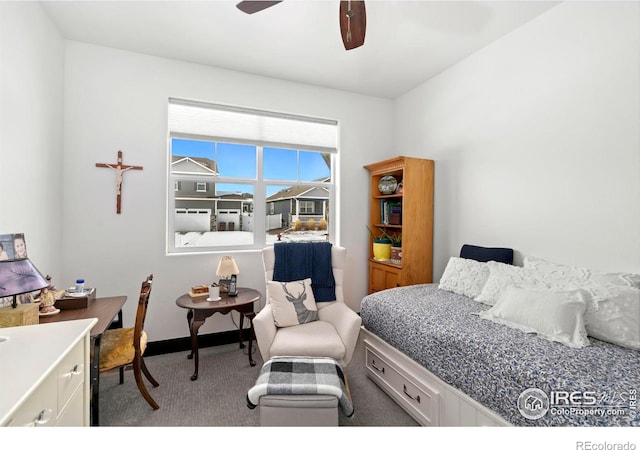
<point>416,224</point>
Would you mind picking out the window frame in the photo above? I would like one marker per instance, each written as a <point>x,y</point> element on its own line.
<point>259,185</point>
<point>306,203</point>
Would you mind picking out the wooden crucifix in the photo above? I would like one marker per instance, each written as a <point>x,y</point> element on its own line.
<point>119,169</point>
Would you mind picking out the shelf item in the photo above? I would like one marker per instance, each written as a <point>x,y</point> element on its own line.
<point>382,251</point>
<point>387,185</point>
<point>405,212</point>
<point>396,255</point>
<point>391,211</point>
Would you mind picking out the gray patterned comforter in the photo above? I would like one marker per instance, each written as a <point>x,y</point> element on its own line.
<point>494,364</point>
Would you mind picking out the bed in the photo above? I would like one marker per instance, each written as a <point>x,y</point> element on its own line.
<point>430,350</point>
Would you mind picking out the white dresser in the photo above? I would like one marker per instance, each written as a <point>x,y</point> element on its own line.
<point>44,374</point>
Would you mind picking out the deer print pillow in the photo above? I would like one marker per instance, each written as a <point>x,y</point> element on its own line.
<point>292,303</point>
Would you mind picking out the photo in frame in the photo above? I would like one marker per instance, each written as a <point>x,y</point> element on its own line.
<point>13,246</point>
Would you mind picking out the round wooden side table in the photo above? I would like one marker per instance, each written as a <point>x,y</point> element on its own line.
<point>200,308</point>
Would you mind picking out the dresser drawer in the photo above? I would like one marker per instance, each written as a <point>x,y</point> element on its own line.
<point>40,408</point>
<point>73,414</point>
<point>71,373</point>
<point>421,401</point>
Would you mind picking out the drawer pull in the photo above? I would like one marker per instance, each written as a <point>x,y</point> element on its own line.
<point>379,369</point>
<point>44,417</point>
<point>77,370</point>
<point>404,389</point>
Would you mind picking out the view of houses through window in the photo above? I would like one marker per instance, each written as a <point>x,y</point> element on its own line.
<point>238,196</point>
<point>243,178</point>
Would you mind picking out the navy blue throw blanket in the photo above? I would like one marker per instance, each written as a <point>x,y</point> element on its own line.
<point>300,260</point>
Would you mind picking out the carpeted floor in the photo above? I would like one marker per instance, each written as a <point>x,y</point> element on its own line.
<point>218,397</point>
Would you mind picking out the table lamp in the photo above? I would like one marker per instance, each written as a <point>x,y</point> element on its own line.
<point>228,269</point>
<point>19,276</point>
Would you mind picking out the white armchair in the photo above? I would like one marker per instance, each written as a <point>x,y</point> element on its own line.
<point>334,334</point>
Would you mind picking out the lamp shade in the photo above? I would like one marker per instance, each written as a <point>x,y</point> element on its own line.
<point>227,267</point>
<point>20,276</point>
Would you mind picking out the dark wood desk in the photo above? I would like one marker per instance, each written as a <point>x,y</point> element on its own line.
<point>199,309</point>
<point>105,310</point>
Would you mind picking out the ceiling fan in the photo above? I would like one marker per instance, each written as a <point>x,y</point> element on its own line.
<point>353,19</point>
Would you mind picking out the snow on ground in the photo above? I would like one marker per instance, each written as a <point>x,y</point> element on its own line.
<point>222,238</point>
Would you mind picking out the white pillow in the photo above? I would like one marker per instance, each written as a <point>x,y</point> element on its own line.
<point>464,276</point>
<point>556,316</point>
<point>613,315</point>
<point>503,275</point>
<point>574,277</point>
<point>292,303</point>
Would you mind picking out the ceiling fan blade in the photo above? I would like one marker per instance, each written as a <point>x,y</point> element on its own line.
<point>251,7</point>
<point>353,23</point>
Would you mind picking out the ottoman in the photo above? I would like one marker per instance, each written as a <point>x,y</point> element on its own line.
<point>300,391</point>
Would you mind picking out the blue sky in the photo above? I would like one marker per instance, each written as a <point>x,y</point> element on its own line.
<point>238,160</point>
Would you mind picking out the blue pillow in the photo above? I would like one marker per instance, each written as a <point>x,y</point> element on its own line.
<point>484,254</point>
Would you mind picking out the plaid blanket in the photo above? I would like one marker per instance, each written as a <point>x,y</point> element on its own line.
<point>286,375</point>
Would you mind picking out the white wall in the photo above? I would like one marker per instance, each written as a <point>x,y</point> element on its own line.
<point>31,150</point>
<point>536,140</point>
<point>116,100</point>
<point>535,137</point>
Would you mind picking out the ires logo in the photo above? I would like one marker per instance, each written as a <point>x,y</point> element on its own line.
<point>534,403</point>
<point>564,398</point>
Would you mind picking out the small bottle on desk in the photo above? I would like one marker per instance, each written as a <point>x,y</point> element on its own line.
<point>79,286</point>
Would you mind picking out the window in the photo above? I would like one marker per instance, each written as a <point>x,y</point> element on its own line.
<point>306,207</point>
<point>258,174</point>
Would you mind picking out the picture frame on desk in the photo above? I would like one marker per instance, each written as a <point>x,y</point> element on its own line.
<point>27,298</point>
<point>13,246</point>
<point>6,246</point>
<point>21,299</point>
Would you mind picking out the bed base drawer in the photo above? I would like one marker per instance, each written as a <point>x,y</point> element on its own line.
<point>444,405</point>
<point>420,400</point>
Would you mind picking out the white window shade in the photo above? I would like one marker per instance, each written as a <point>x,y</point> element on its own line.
<point>263,127</point>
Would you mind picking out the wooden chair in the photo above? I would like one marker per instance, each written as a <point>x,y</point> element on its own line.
<point>121,347</point>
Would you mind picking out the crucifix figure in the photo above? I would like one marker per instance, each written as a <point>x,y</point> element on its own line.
<point>119,169</point>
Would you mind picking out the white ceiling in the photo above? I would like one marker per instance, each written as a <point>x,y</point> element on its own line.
<point>407,42</point>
